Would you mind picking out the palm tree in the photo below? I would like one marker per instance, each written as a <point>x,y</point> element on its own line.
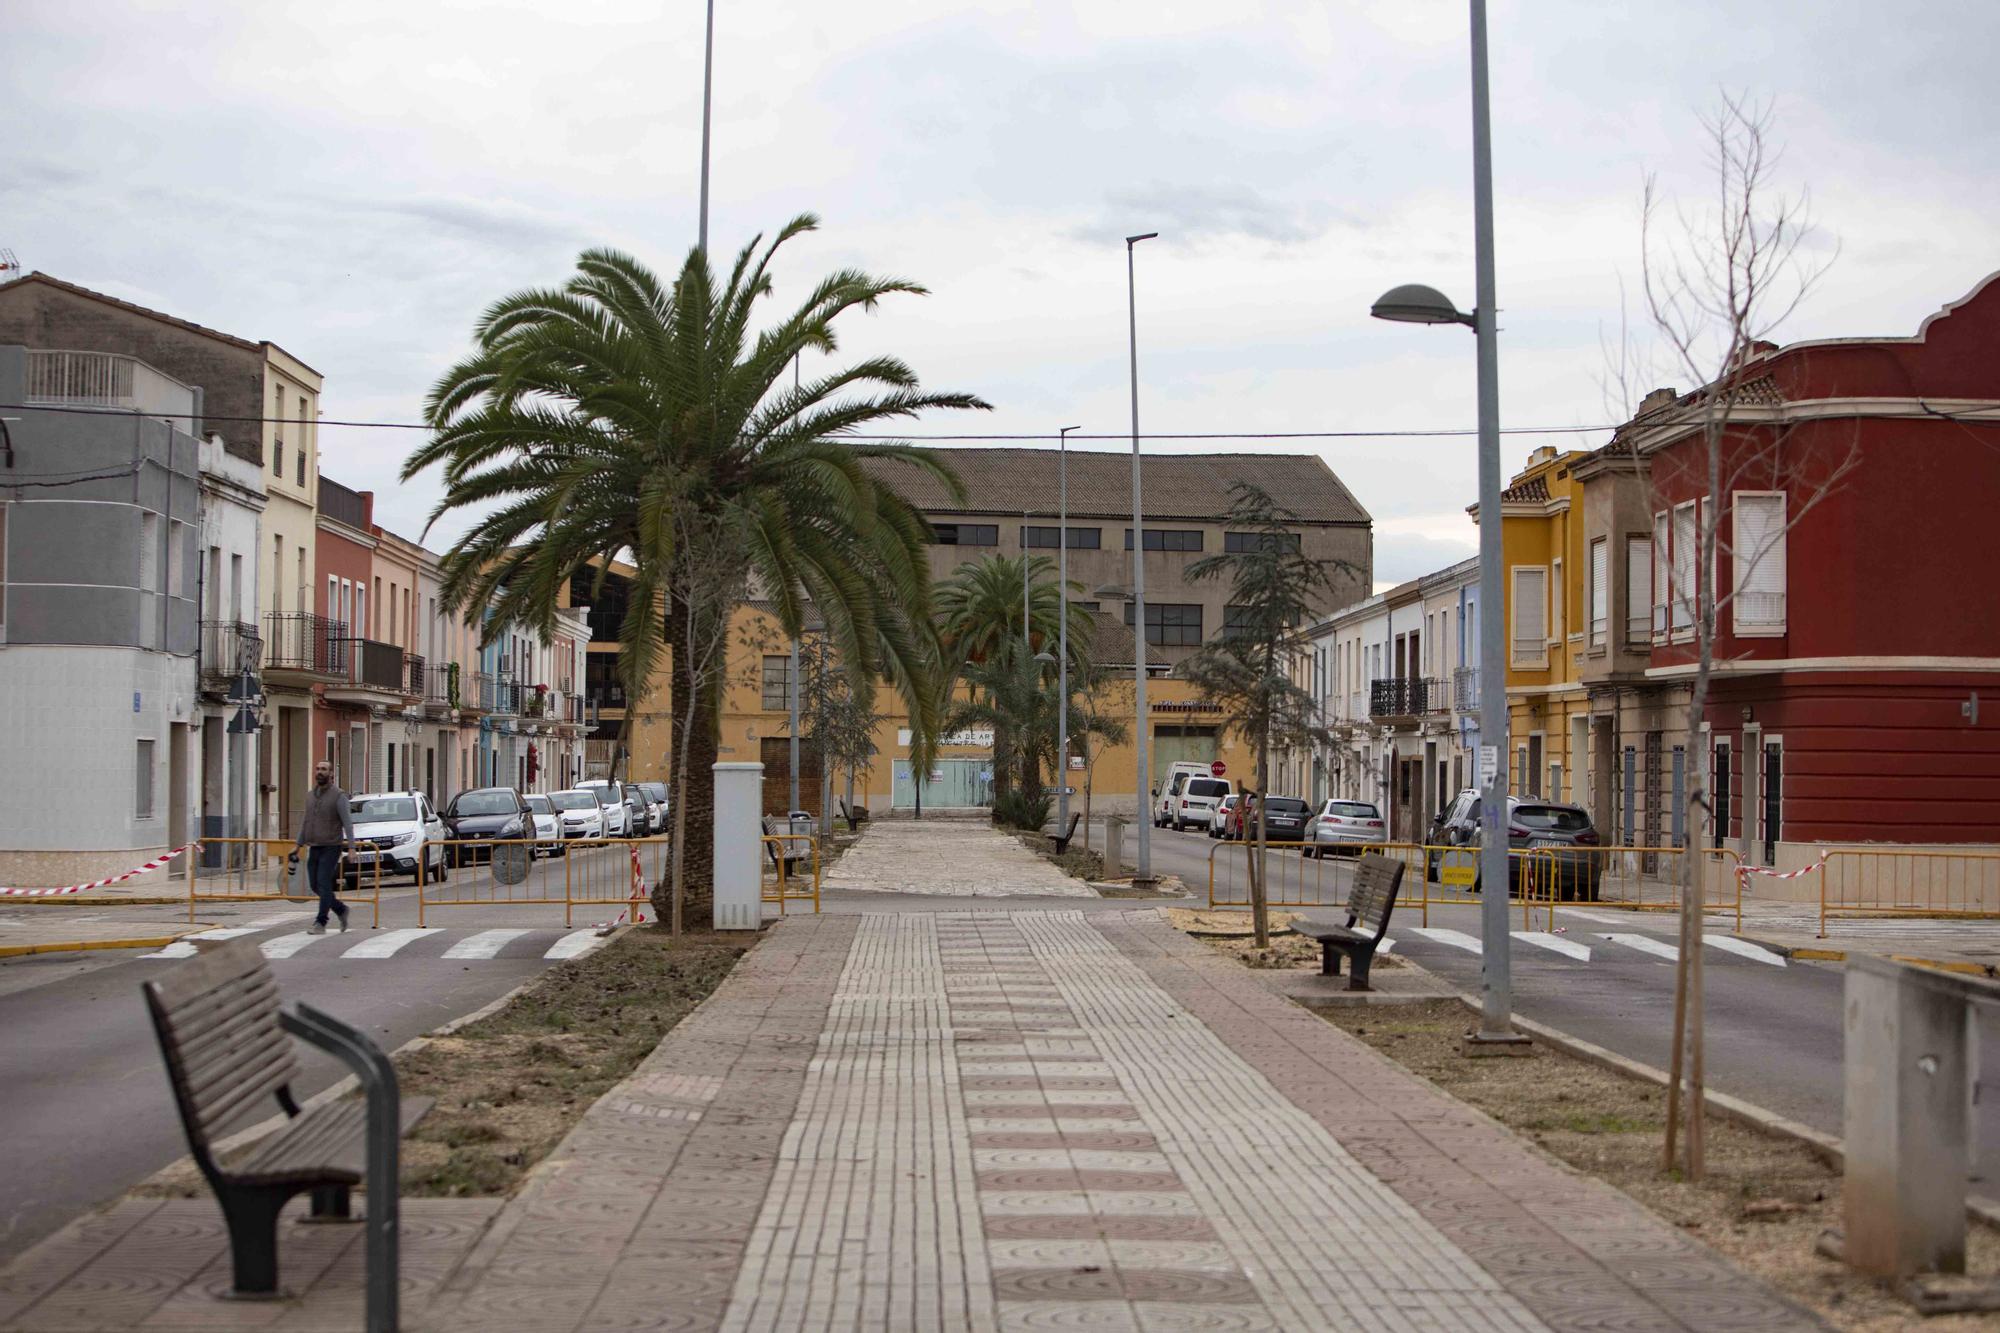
<point>619,417</point>
<point>979,608</point>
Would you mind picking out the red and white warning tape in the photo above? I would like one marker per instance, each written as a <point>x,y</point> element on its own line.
<point>1820,864</point>
<point>153,864</point>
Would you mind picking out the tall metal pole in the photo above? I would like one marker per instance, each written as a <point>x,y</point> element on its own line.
<point>1496,1011</point>
<point>1142,782</point>
<point>1062,628</point>
<point>793,678</point>
<point>707,84</point>
<point>1027,635</point>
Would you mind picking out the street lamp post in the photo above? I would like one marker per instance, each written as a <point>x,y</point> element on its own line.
<point>1062,628</point>
<point>707,82</point>
<point>1143,777</point>
<point>1417,304</point>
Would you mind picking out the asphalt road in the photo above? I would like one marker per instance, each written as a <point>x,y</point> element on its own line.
<point>88,1109</point>
<point>1774,1033</point>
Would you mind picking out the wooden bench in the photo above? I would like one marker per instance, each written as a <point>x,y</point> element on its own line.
<point>1062,843</point>
<point>855,817</point>
<point>796,851</point>
<point>1377,879</point>
<point>228,1052</point>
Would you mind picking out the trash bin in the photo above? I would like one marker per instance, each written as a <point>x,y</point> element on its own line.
<point>1114,846</point>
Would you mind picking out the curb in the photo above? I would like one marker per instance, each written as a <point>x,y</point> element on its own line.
<point>84,946</point>
<point>1818,954</point>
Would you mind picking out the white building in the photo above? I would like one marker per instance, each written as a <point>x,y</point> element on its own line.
<point>232,508</point>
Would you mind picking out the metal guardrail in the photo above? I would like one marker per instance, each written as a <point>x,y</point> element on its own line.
<point>260,869</point>
<point>1889,881</point>
<point>1406,696</point>
<point>1640,879</point>
<point>302,641</point>
<point>599,873</point>
<point>777,888</point>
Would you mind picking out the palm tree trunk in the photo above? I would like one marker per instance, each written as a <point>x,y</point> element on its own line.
<point>693,740</point>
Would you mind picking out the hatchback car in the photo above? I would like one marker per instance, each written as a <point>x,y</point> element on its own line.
<point>656,796</point>
<point>1559,835</point>
<point>485,814</point>
<point>1345,827</point>
<point>548,826</point>
<point>581,812</point>
<point>396,830</point>
<point>1219,821</point>
<point>1195,801</point>
<point>617,818</point>
<point>638,813</point>
<point>1285,819</point>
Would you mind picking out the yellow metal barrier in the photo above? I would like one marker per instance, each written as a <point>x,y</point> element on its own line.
<point>778,890</point>
<point>1888,881</point>
<point>1636,879</point>
<point>1306,879</point>
<point>260,870</point>
<point>520,872</point>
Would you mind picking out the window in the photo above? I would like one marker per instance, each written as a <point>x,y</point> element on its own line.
<point>1085,539</point>
<point>967,534</point>
<point>1172,625</point>
<point>1600,591</point>
<point>1758,553</point>
<point>149,551</point>
<point>1168,539</point>
<point>1040,538</point>
<point>277,431</point>
<point>1558,606</point>
<point>332,611</point>
<point>142,796</point>
<point>278,572</point>
<point>1260,541</point>
<point>1638,589</point>
<point>1531,615</point>
<point>1773,799</point>
<point>1238,621</point>
<point>1682,594</point>
<point>1718,786</point>
<point>777,684</point>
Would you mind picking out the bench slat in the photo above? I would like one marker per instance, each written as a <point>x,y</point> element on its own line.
<point>232,1099</point>
<point>223,1070</point>
<point>336,1140</point>
<point>212,1018</point>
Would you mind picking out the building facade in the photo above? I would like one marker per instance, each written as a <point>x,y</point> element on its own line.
<point>232,646</point>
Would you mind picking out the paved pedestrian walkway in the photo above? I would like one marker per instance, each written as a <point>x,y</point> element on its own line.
<point>957,858</point>
<point>1048,1119</point>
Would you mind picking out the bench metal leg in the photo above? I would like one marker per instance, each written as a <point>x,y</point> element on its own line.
<point>331,1203</point>
<point>252,1216</point>
<point>1359,979</point>
<point>1329,960</point>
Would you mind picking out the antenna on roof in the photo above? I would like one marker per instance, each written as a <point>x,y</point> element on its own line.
<point>10,267</point>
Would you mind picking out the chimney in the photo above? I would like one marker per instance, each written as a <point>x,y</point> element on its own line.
<point>1656,400</point>
<point>1542,454</point>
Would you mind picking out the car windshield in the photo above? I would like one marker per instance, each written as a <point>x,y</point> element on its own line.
<point>574,800</point>
<point>1207,787</point>
<point>1285,805</point>
<point>656,790</point>
<point>1352,810</point>
<point>540,805</point>
<point>485,803</point>
<point>379,809</point>
<point>1560,818</point>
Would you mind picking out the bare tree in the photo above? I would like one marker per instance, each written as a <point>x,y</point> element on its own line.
<point>1718,281</point>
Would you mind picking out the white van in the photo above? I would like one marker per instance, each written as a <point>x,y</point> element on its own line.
<point>1172,804</point>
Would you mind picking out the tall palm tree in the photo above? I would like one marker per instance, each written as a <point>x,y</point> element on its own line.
<point>620,417</point>
<point>979,608</point>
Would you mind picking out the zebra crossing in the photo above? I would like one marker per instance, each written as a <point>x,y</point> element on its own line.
<point>433,943</point>
<point>1588,946</point>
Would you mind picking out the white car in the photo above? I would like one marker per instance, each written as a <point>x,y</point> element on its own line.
<point>581,813</point>
<point>397,830</point>
<point>1194,802</point>
<point>611,795</point>
<point>548,825</point>
<point>1342,827</point>
<point>1220,819</point>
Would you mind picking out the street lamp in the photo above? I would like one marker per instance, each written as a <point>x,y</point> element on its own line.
<point>1062,626</point>
<point>1144,876</point>
<point>1417,304</point>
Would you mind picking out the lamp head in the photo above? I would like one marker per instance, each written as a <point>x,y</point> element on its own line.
<point>1414,303</point>
<point>1142,236</point>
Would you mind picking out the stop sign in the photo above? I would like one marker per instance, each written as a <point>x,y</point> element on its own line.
<point>1217,769</point>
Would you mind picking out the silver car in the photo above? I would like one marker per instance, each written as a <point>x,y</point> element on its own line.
<point>1345,828</point>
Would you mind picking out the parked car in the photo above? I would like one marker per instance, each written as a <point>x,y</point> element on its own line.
<point>1345,827</point>
<point>484,814</point>
<point>397,830</point>
<point>1219,820</point>
<point>548,826</point>
<point>581,811</point>
<point>656,795</point>
<point>1558,832</point>
<point>638,814</point>
<point>611,793</point>
<point>1194,803</point>
<point>1171,782</point>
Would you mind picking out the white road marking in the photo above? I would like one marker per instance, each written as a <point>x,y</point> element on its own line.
<point>486,944</point>
<point>1455,939</point>
<point>184,947</point>
<point>1602,918</point>
<point>1745,949</point>
<point>284,946</point>
<point>576,944</point>
<point>1568,948</point>
<point>389,942</point>
<point>1647,944</point>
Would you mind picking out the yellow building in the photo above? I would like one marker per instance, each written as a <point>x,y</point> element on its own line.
<point>1548,705</point>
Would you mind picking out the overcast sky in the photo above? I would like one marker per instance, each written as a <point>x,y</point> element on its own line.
<point>356,181</point>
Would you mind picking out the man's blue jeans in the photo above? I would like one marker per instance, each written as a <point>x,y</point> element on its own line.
<point>323,873</point>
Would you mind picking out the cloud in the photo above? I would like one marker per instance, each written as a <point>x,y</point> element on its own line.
<point>1209,213</point>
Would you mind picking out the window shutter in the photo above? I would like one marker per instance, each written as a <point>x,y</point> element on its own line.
<point>1531,610</point>
<point>1683,591</point>
<point>1759,558</point>
<point>1600,590</point>
<point>1638,588</point>
<point>1662,585</point>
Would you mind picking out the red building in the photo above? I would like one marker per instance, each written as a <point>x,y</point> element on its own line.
<point>1856,691</point>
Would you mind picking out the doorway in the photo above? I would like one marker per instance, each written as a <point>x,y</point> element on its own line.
<point>953,784</point>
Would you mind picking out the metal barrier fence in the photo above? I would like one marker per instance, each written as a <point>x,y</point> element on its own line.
<point>1628,878</point>
<point>1886,881</point>
<point>597,873</point>
<point>260,870</point>
<point>776,889</point>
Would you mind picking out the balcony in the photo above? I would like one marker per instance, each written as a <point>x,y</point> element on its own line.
<point>228,649</point>
<point>498,694</point>
<point>300,643</point>
<point>108,380</point>
<point>439,695</point>
<point>413,675</point>
<point>1465,689</point>
<point>1405,696</point>
<point>375,671</point>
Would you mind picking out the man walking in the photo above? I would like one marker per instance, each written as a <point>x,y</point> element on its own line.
<point>326,831</point>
